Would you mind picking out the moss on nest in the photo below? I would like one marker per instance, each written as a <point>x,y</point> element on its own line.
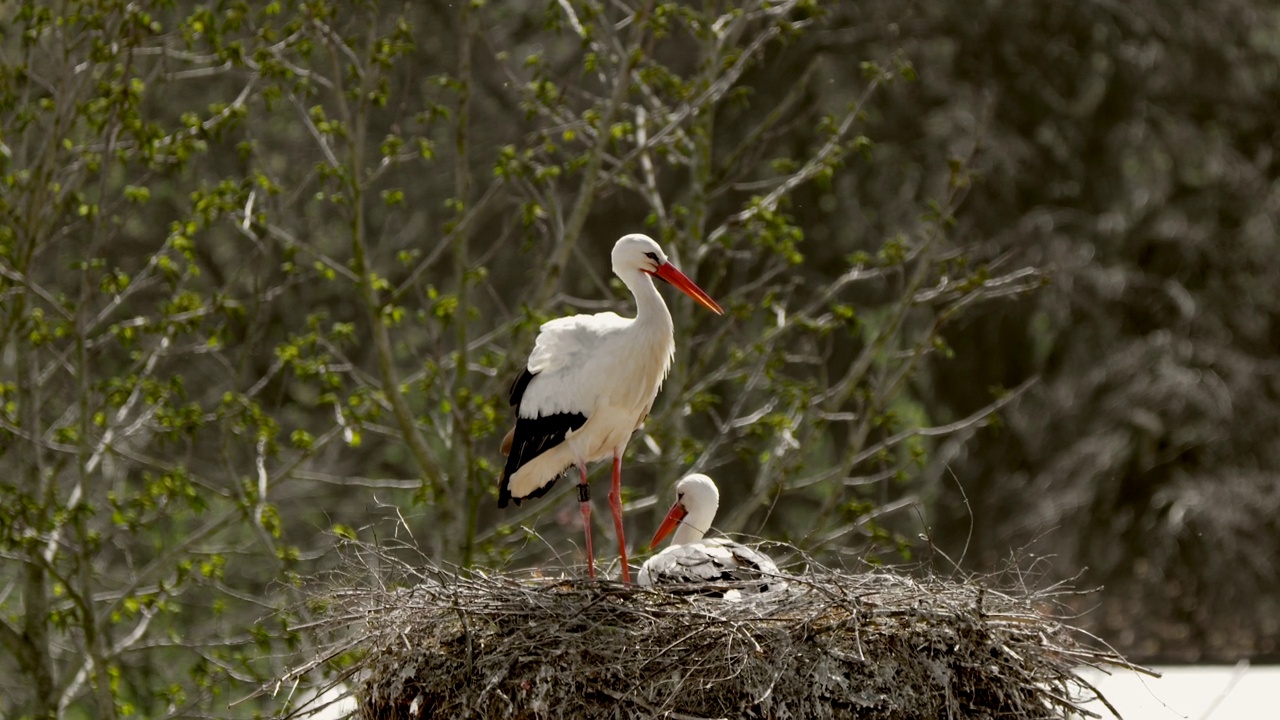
<point>831,645</point>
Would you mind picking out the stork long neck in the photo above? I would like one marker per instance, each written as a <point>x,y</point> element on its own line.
<point>694,526</point>
<point>651,310</point>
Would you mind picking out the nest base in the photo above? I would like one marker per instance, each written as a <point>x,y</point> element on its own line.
<point>831,645</point>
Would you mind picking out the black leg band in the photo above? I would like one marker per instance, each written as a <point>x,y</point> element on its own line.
<point>584,492</point>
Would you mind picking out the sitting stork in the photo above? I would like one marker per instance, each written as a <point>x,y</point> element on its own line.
<point>690,558</point>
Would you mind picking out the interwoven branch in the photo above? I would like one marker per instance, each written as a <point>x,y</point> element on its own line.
<point>833,644</point>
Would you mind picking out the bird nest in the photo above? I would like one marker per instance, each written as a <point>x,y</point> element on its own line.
<point>831,644</point>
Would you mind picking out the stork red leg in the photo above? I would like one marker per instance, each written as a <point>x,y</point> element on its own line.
<point>584,504</point>
<point>615,504</point>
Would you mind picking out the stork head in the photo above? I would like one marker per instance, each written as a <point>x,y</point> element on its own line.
<point>639,253</point>
<point>697,500</point>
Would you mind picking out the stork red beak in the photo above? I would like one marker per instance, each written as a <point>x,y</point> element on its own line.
<point>668,272</point>
<point>674,516</point>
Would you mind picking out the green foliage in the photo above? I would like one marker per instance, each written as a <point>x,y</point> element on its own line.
<point>267,271</point>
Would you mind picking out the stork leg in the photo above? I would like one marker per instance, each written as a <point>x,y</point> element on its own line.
<point>615,504</point>
<point>584,504</point>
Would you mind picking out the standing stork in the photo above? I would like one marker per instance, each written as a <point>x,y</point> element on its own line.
<point>589,383</point>
<point>690,559</point>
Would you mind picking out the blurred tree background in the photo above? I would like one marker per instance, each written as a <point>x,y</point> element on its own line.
<point>1000,283</point>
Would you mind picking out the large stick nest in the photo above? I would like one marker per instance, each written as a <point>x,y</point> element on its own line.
<point>831,645</point>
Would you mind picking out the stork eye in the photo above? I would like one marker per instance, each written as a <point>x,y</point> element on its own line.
<point>652,256</point>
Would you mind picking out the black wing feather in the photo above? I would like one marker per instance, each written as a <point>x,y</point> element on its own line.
<point>518,386</point>
<point>533,436</point>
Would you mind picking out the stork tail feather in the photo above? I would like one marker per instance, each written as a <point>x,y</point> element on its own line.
<point>530,439</point>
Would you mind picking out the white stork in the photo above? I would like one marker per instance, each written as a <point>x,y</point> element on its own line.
<point>589,383</point>
<point>690,558</point>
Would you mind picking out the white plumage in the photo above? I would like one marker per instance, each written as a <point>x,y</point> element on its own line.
<point>590,382</point>
<point>691,559</point>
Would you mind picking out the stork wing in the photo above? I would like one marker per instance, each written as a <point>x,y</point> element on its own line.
<point>710,561</point>
<point>570,365</point>
<point>555,394</point>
